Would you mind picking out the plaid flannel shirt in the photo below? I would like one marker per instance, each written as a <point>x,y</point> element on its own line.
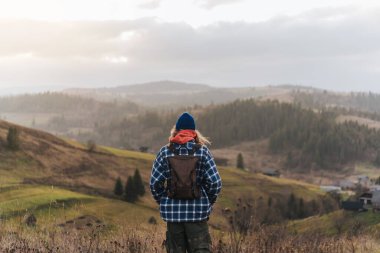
<point>175,210</point>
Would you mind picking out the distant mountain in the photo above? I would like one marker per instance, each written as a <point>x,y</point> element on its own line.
<point>63,113</point>
<point>172,93</point>
<point>161,87</point>
<point>151,87</point>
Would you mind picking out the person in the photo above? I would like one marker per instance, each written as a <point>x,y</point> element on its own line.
<point>186,212</point>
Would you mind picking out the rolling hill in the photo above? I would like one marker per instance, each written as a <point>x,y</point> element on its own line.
<point>63,114</point>
<point>290,129</point>
<point>59,180</point>
<point>339,222</point>
<point>167,94</point>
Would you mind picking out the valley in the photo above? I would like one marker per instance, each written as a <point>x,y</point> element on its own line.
<point>74,145</point>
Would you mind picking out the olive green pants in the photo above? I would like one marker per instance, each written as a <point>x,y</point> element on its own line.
<point>190,237</point>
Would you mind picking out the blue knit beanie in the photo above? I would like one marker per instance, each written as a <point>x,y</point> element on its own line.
<point>185,121</point>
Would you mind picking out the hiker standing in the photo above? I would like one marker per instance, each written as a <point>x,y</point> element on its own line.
<point>185,183</point>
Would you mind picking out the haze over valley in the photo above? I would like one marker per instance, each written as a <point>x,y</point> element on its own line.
<point>138,117</point>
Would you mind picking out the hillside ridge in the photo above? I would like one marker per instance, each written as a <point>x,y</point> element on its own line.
<point>45,160</point>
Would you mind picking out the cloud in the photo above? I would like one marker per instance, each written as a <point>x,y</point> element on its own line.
<point>150,4</point>
<point>327,48</point>
<point>209,4</point>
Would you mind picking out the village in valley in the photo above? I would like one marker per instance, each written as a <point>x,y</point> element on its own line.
<point>358,193</point>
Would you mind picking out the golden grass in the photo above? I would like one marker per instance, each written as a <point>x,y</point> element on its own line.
<point>367,169</point>
<point>128,153</point>
<point>149,239</point>
<point>52,203</point>
<point>74,143</point>
<point>328,223</point>
<point>48,160</point>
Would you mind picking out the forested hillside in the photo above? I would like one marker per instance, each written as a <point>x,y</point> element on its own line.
<point>306,137</point>
<point>366,102</point>
<point>61,113</point>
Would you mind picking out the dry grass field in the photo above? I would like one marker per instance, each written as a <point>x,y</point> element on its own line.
<point>363,121</point>
<point>69,191</point>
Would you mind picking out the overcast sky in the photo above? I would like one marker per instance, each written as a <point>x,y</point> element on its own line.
<point>53,44</point>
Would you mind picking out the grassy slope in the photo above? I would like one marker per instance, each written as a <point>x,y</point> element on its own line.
<point>26,177</point>
<point>327,224</point>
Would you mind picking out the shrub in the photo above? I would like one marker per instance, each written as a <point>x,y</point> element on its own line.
<point>240,161</point>
<point>13,138</point>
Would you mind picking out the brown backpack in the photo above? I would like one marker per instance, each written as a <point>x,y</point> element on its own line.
<point>183,169</point>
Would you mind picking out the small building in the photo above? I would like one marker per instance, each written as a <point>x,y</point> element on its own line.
<point>353,206</point>
<point>364,181</point>
<point>347,184</point>
<point>374,188</point>
<point>366,198</point>
<point>271,172</point>
<point>376,200</point>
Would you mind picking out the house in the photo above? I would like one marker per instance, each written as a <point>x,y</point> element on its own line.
<point>353,206</point>
<point>330,188</point>
<point>364,181</point>
<point>271,172</point>
<point>376,200</point>
<point>366,198</point>
<point>374,188</point>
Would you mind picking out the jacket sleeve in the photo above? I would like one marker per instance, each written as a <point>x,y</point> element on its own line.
<point>212,182</point>
<point>158,177</point>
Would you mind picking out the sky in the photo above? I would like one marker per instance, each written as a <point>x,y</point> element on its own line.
<point>56,44</point>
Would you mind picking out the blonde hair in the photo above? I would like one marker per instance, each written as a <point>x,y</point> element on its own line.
<point>199,139</point>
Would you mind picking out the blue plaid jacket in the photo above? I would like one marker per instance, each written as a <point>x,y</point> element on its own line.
<point>175,210</point>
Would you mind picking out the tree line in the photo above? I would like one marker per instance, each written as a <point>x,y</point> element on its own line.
<point>306,137</point>
<point>132,190</point>
<point>367,102</point>
<point>270,211</point>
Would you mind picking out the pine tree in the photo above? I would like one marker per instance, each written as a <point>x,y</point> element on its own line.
<point>292,206</point>
<point>130,193</point>
<point>118,190</point>
<point>301,209</point>
<point>138,183</point>
<point>13,139</point>
<point>240,161</point>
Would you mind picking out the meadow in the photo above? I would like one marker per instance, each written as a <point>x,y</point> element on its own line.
<point>68,189</point>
